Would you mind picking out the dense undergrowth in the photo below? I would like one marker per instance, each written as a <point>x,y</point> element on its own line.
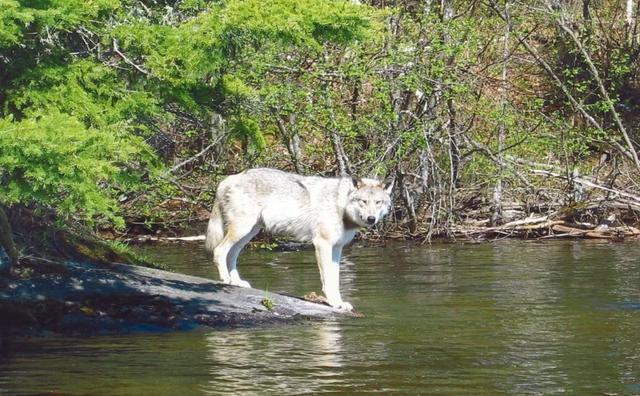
<point>122,116</point>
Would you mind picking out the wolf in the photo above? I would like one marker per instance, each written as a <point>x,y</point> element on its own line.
<point>324,211</point>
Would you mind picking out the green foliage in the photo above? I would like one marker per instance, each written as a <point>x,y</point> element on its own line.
<point>19,17</point>
<point>406,88</point>
<point>204,47</point>
<point>87,90</point>
<point>13,20</point>
<point>248,129</point>
<point>83,81</point>
<point>55,161</point>
<point>297,22</point>
<point>268,304</point>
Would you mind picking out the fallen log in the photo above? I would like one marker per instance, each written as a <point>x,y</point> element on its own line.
<point>575,232</point>
<point>552,228</point>
<point>524,225</point>
<point>608,233</point>
<point>151,238</point>
<point>527,221</point>
<point>536,226</point>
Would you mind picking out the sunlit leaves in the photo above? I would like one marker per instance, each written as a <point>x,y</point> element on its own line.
<point>87,90</point>
<point>55,161</point>
<point>83,80</point>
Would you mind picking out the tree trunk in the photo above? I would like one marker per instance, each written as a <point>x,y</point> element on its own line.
<point>407,199</point>
<point>454,146</point>
<point>447,13</point>
<point>218,129</point>
<point>496,216</point>
<point>291,140</point>
<point>341,157</point>
<point>632,23</point>
<point>6,242</point>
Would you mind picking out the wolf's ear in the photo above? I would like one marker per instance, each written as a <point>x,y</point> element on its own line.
<point>388,185</point>
<point>355,181</point>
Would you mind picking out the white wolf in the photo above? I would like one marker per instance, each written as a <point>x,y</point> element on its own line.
<point>324,211</point>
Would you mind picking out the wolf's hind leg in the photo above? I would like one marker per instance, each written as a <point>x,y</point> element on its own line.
<point>226,253</point>
<point>220,254</point>
<point>234,252</point>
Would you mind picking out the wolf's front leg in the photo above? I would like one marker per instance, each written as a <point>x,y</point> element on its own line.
<point>330,273</point>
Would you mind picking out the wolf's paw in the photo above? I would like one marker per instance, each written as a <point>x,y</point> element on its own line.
<point>341,305</point>
<point>241,283</point>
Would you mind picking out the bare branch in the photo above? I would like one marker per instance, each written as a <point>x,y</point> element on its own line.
<point>556,79</point>
<point>129,61</point>
<point>588,183</point>
<point>195,157</point>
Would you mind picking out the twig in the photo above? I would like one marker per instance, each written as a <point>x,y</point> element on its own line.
<point>195,157</point>
<point>499,161</point>
<point>587,183</point>
<point>124,57</point>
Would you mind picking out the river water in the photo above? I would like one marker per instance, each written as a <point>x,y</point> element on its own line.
<point>511,318</point>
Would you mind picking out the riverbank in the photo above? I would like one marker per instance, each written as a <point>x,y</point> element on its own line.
<point>73,287</point>
<point>611,217</point>
<point>532,227</point>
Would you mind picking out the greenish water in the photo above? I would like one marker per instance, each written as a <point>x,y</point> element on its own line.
<point>509,318</point>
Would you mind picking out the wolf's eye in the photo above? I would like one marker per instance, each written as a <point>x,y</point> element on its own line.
<point>362,201</point>
<point>378,202</point>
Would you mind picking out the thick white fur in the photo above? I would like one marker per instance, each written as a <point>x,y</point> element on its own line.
<point>324,211</point>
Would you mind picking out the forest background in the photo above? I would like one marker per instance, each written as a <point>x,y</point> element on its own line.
<point>122,116</point>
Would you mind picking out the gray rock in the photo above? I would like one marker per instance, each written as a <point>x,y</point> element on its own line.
<point>82,298</point>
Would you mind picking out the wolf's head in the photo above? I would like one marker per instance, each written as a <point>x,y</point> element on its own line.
<point>369,201</point>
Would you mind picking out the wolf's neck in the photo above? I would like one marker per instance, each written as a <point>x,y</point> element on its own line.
<point>348,223</point>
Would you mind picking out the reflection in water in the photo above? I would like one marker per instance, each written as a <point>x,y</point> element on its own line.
<point>532,322</point>
<point>509,318</point>
<point>275,360</point>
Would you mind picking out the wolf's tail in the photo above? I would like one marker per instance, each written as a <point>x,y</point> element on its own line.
<point>215,229</point>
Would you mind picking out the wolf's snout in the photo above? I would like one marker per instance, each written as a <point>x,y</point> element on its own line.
<point>371,220</point>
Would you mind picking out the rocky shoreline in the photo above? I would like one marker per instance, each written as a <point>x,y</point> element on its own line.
<point>71,297</point>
